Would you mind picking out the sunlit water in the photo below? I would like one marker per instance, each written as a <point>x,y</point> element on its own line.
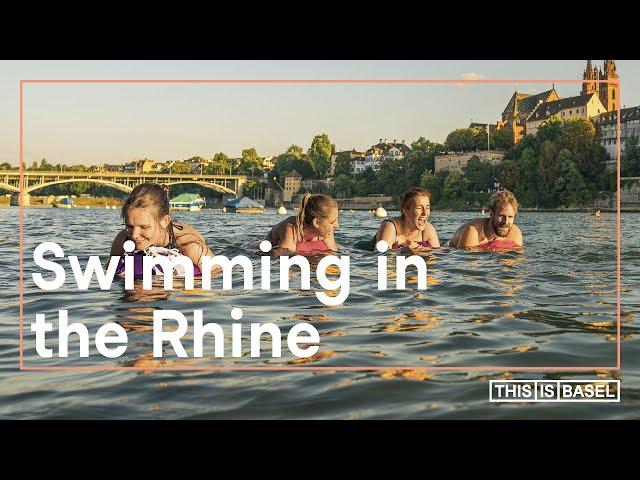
<point>553,305</point>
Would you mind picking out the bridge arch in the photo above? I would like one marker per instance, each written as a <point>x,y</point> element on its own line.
<point>6,186</point>
<point>117,186</point>
<point>211,186</point>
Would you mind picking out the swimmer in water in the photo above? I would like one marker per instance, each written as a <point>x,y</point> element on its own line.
<point>496,232</point>
<point>412,228</point>
<point>148,223</point>
<point>309,231</point>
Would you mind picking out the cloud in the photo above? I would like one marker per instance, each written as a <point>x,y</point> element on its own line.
<point>470,76</point>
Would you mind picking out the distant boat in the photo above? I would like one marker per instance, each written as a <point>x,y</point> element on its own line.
<point>66,202</point>
<point>243,205</point>
<point>191,202</point>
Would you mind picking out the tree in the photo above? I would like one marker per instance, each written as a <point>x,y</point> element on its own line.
<point>503,138</point>
<point>6,166</point>
<point>389,178</point>
<point>343,164</point>
<point>569,184</point>
<point>431,183</point>
<point>549,130</point>
<point>320,154</point>
<point>425,146</point>
<point>455,187</point>
<point>481,141</point>
<point>420,159</point>
<point>509,174</point>
<point>287,163</point>
<point>250,162</point>
<point>343,186</point>
<point>78,168</point>
<point>527,190</point>
<point>365,182</point>
<point>578,136</point>
<point>478,174</point>
<point>630,160</point>
<point>461,139</point>
<point>295,150</point>
<point>547,173</point>
<point>219,164</point>
<point>180,168</point>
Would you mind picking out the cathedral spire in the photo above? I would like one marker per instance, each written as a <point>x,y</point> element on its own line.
<point>610,68</point>
<point>590,73</point>
<point>608,89</point>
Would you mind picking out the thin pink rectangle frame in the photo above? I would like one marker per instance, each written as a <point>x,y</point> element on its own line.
<point>495,368</point>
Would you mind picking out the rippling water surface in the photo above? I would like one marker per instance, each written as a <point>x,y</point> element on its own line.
<point>552,305</point>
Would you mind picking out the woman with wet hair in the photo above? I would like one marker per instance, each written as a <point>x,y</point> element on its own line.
<point>311,230</point>
<point>148,224</point>
<point>412,228</point>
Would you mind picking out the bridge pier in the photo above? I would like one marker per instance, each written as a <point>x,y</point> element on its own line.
<point>23,199</point>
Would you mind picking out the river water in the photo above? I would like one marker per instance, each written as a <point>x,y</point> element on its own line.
<point>553,305</point>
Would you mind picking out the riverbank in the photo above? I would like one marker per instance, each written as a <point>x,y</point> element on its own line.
<point>103,202</point>
<point>82,202</point>
<point>555,210</point>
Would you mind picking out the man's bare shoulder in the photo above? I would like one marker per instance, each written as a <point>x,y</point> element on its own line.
<point>476,224</point>
<point>516,235</point>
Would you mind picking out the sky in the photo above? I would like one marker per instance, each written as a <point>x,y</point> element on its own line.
<point>115,123</point>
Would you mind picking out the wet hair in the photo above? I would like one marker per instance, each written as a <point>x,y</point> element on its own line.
<point>148,195</point>
<point>156,196</point>
<point>405,200</point>
<point>505,196</point>
<point>313,206</point>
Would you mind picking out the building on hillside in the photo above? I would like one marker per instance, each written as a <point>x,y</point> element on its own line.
<point>358,165</point>
<point>353,153</point>
<point>292,184</point>
<point>455,162</point>
<point>601,82</point>
<point>139,166</point>
<point>607,131</point>
<point>384,150</point>
<point>581,106</point>
<point>312,185</point>
<point>520,107</point>
<point>268,162</point>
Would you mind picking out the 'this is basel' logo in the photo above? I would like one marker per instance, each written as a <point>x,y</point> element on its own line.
<point>554,390</point>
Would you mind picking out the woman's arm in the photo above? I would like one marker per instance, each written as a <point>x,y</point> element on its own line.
<point>116,246</point>
<point>195,251</point>
<point>288,240</point>
<point>387,232</point>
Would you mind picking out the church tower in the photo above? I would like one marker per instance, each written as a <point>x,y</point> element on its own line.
<point>590,73</point>
<point>608,90</point>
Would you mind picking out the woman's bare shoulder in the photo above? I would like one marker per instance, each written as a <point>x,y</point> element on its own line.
<point>184,233</point>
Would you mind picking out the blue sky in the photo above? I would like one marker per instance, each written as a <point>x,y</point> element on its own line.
<point>113,123</point>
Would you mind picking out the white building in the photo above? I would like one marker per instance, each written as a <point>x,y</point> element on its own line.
<point>383,150</point>
<point>357,165</point>
<point>582,106</point>
<point>268,162</point>
<point>607,127</point>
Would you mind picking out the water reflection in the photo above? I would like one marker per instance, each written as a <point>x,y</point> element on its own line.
<point>553,304</point>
